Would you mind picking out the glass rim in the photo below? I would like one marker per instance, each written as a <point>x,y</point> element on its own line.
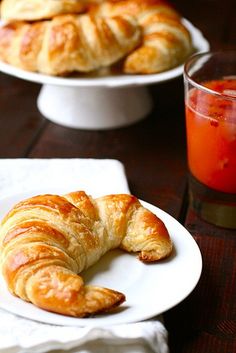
<point>188,78</point>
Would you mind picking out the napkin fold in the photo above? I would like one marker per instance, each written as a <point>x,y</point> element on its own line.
<point>96,176</point>
<point>20,335</point>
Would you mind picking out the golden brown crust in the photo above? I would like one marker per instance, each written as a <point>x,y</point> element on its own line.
<point>25,10</point>
<point>148,35</point>
<point>136,8</point>
<point>47,240</point>
<point>166,41</point>
<point>68,43</point>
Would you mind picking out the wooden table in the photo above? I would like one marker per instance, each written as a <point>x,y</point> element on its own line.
<point>154,154</point>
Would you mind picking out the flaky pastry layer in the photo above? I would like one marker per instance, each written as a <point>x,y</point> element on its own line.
<point>48,240</point>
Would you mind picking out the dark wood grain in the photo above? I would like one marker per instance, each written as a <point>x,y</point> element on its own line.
<point>20,121</point>
<point>154,154</point>
<point>153,145</point>
<point>206,320</point>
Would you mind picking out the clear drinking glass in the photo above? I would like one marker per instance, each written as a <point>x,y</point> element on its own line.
<point>210,102</point>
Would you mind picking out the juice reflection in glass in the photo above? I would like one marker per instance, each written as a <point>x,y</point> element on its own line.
<point>210,101</point>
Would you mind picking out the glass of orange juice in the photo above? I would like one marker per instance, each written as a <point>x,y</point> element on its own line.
<point>210,102</point>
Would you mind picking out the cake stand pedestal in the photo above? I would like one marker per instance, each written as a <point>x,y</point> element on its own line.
<point>94,108</point>
<point>100,102</point>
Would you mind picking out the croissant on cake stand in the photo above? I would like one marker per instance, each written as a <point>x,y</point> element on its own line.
<point>47,240</point>
<point>68,43</point>
<point>166,41</point>
<point>144,36</point>
<point>20,10</point>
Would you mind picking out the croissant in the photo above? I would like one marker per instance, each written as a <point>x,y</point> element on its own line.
<point>30,10</point>
<point>68,43</point>
<point>166,41</point>
<point>47,240</point>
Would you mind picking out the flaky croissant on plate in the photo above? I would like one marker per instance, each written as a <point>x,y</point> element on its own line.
<point>48,239</point>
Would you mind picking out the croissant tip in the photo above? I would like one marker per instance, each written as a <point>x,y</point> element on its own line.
<point>122,298</point>
<point>152,256</point>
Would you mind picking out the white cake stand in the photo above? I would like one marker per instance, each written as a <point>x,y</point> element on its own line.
<point>103,102</point>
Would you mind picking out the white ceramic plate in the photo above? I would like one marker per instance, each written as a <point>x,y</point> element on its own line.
<point>150,289</point>
<point>199,43</point>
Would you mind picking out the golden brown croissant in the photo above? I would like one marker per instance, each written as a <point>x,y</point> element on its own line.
<point>166,41</point>
<point>48,239</point>
<point>68,43</point>
<point>30,10</point>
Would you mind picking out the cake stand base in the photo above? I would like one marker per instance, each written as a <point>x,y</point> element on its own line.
<point>94,108</point>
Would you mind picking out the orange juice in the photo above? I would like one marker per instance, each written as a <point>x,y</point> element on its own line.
<point>211,134</point>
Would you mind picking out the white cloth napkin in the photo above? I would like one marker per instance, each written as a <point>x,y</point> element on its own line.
<point>19,335</point>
